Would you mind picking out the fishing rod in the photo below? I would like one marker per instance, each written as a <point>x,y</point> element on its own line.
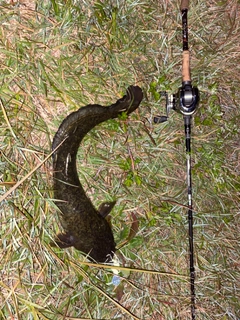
<point>185,102</point>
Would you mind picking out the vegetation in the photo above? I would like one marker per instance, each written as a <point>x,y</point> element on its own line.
<point>58,55</point>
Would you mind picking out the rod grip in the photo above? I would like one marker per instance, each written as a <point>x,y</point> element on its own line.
<point>186,66</point>
<point>184,5</point>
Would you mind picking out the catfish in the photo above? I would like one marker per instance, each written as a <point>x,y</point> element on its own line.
<point>85,227</point>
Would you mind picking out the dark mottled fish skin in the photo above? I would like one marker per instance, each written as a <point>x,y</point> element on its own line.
<point>85,227</point>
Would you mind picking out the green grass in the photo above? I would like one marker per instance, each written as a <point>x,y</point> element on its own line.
<point>59,55</point>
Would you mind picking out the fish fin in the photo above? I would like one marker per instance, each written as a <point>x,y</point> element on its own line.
<point>64,240</point>
<point>105,208</point>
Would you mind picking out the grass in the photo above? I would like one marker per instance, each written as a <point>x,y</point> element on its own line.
<point>59,55</point>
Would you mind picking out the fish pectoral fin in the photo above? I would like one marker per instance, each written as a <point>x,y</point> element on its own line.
<point>105,208</point>
<point>64,240</point>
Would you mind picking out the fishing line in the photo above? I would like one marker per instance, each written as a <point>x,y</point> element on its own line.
<point>185,102</point>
